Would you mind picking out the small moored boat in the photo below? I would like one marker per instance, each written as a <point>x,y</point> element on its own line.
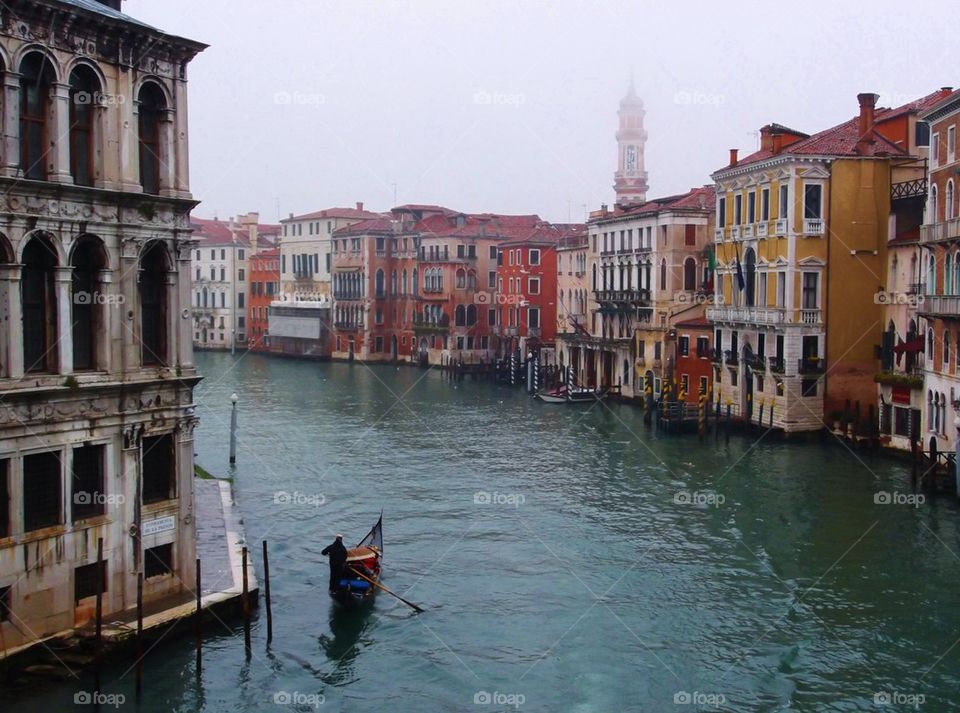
<point>364,559</point>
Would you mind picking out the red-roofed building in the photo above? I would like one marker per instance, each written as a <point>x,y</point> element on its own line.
<point>803,230</point>
<point>692,344</point>
<point>264,288</point>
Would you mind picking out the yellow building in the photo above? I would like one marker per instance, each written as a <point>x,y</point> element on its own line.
<point>801,245</point>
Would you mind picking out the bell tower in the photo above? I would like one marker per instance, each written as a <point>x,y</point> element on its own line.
<point>630,180</point>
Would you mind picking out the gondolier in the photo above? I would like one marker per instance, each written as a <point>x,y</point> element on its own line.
<point>338,556</point>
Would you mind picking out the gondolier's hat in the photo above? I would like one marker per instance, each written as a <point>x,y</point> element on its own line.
<point>339,536</point>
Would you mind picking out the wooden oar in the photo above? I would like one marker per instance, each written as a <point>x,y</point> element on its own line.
<point>380,586</point>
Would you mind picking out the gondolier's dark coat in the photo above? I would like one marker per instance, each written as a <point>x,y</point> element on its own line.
<point>338,557</point>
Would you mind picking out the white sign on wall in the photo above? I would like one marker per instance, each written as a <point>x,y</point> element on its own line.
<point>160,524</point>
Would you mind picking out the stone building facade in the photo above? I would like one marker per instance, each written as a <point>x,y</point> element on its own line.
<point>96,360</point>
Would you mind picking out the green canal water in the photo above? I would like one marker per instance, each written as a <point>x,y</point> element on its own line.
<point>569,559</point>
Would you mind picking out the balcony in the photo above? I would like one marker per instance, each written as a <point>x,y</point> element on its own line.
<point>777,365</point>
<point>938,232</point>
<point>731,357</point>
<point>813,226</point>
<point>347,326</point>
<point>735,232</point>
<point>780,227</point>
<point>510,331</point>
<point>423,325</point>
<point>634,297</point>
<point>916,188</point>
<point>811,365</point>
<point>718,235</point>
<point>716,355</point>
<point>303,274</point>
<point>940,305</point>
<point>757,362</point>
<point>757,315</point>
<point>810,316</point>
<point>534,332</point>
<point>747,232</point>
<point>762,230</point>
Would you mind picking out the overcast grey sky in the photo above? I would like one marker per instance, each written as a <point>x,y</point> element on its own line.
<point>511,106</point>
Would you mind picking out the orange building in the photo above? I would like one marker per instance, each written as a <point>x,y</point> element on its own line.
<point>264,287</point>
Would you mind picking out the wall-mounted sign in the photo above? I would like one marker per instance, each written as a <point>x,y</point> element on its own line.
<point>160,524</point>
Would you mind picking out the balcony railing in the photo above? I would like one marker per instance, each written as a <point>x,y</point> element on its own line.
<point>747,231</point>
<point>945,305</point>
<point>347,325</point>
<point>718,235</point>
<point>811,365</point>
<point>780,227</point>
<point>633,296</point>
<point>716,355</point>
<point>810,316</point>
<point>735,232</point>
<point>757,362</point>
<point>534,332</point>
<point>813,226</point>
<point>936,232</point>
<point>762,230</point>
<point>731,357</point>
<point>777,365</point>
<point>761,315</point>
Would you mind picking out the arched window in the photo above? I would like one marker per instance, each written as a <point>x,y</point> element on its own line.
<point>929,344</point>
<point>36,79</point>
<point>154,267</point>
<point>152,105</point>
<point>84,95</point>
<point>87,261</point>
<point>932,274</point>
<point>948,275</point>
<point>379,286</point>
<point>956,273</point>
<point>689,274</point>
<point>204,296</point>
<point>39,305</point>
<point>933,203</point>
<point>472,280</point>
<point>461,279</point>
<point>471,315</point>
<point>946,349</point>
<point>415,285</point>
<point>663,275</point>
<point>393,282</point>
<point>460,316</point>
<point>404,289</point>
<point>593,279</point>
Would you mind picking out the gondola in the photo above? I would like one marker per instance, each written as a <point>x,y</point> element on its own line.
<point>353,590</point>
<point>563,395</point>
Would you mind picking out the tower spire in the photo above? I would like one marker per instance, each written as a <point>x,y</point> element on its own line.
<point>630,178</point>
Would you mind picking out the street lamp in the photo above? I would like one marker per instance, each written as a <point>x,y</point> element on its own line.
<point>233,428</point>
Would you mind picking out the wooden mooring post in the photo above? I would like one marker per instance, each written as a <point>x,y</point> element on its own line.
<point>266,585</point>
<point>246,606</point>
<point>98,640</point>
<point>139,672</point>
<point>198,624</point>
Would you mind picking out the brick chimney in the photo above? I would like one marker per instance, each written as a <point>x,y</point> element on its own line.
<point>777,144</point>
<point>733,157</point>
<point>359,205</point>
<point>868,105</point>
<point>766,138</point>
<point>251,221</point>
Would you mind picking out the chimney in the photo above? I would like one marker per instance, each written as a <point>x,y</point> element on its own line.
<point>251,221</point>
<point>868,103</point>
<point>603,209</point>
<point>767,138</point>
<point>359,205</point>
<point>777,144</point>
<point>733,157</point>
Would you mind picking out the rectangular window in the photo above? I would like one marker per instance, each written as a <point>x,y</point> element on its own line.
<point>223,253</point>
<point>737,209</point>
<point>683,346</point>
<point>534,256</point>
<point>951,143</point>
<point>240,254</point>
<point>461,250</point>
<point>4,498</point>
<point>533,285</point>
<point>657,349</point>
<point>41,491</point>
<point>491,317</point>
<point>783,211</point>
<point>240,300</point>
<point>86,580</point>
<point>378,345</point>
<point>159,473</point>
<point>811,293</point>
<point>703,347</point>
<point>241,275</point>
<point>4,603</point>
<point>812,201</point>
<point>87,482</point>
<point>751,207</point>
<point>765,204</point>
<point>492,279</point>
<point>690,235</point>
<point>761,344</point>
<point>721,211</point>
<point>685,382</point>
<point>223,274</point>
<point>283,263</point>
<point>781,289</point>
<point>533,318</point>
<point>703,385</point>
<point>158,561</point>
